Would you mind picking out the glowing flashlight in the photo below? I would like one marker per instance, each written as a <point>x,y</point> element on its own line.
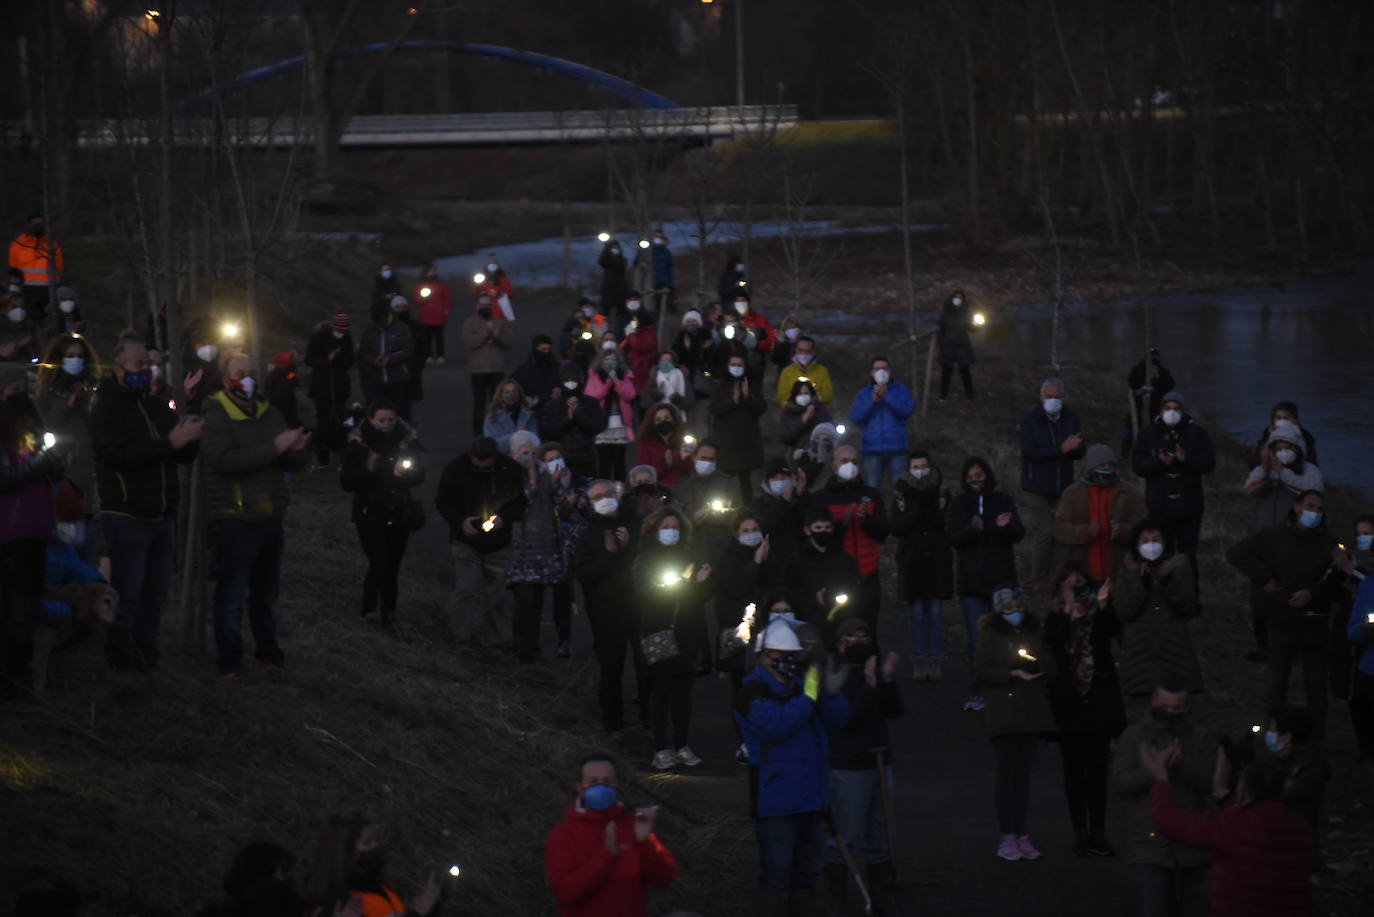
<point>603,237</point>
<point>49,440</point>
<point>669,577</point>
<point>841,599</point>
<point>729,332</point>
<point>1369,618</point>
<point>586,335</point>
<point>1257,729</point>
<point>489,524</point>
<point>406,463</point>
<point>643,243</point>
<point>840,428</point>
<point>230,330</point>
<point>803,378</point>
<point>1025,655</point>
<point>979,318</point>
<point>479,277</point>
<point>455,871</point>
<point>689,440</point>
<point>425,291</point>
<point>1340,547</point>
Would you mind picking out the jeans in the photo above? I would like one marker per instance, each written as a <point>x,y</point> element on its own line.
<point>1165,892</point>
<point>789,851</point>
<point>670,699</point>
<point>529,611</point>
<point>478,617</point>
<point>975,606</point>
<point>385,547</point>
<point>1011,790</point>
<point>875,463</point>
<point>247,564</point>
<point>612,639</point>
<point>856,803</point>
<point>1286,648</point>
<point>1038,515</point>
<point>142,556</point>
<point>1087,760</point>
<point>923,621</point>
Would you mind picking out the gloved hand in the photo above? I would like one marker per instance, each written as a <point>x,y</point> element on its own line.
<point>812,685</point>
<point>835,676</point>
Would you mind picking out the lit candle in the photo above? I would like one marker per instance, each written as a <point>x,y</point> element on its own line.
<point>489,524</point>
<point>454,871</point>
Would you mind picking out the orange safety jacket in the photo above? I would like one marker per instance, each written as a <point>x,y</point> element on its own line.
<point>29,254</point>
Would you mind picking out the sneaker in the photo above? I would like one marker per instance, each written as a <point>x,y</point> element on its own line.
<point>1028,851</point>
<point>664,759</point>
<point>742,754</point>
<point>688,757</point>
<point>564,649</point>
<point>1009,850</point>
<point>974,703</point>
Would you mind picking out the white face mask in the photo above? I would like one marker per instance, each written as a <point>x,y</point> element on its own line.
<point>741,306</point>
<point>792,333</point>
<point>70,533</point>
<point>751,539</point>
<point>15,315</point>
<point>207,352</point>
<point>702,467</point>
<point>803,399</point>
<point>1052,405</point>
<point>958,300</point>
<point>608,345</point>
<point>156,371</point>
<point>736,371</point>
<point>67,305</point>
<point>1364,542</point>
<point>338,335</point>
<point>919,473</point>
<point>1151,550</point>
<point>804,359</point>
<point>14,288</point>
<point>249,386</point>
<point>668,536</point>
<point>606,506</point>
<point>553,466</point>
<point>881,376</point>
<point>632,305</point>
<point>492,267</point>
<point>847,471</point>
<point>1286,456</point>
<point>1171,417</point>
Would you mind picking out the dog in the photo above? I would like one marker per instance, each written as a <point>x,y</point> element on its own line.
<point>89,602</point>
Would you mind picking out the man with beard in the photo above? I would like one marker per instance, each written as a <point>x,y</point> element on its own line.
<point>1171,878</point>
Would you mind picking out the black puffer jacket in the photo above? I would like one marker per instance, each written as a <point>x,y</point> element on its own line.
<point>987,559</point>
<point>380,495</point>
<point>925,562</point>
<point>1173,491</point>
<point>135,464</point>
<point>465,492</point>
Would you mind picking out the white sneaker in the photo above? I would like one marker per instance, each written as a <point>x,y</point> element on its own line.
<point>664,759</point>
<point>688,757</point>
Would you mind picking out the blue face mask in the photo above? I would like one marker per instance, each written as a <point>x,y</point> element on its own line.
<point>139,381</point>
<point>1271,741</point>
<point>1310,519</point>
<point>599,797</point>
<point>1364,542</point>
<point>1014,618</point>
<point>668,536</point>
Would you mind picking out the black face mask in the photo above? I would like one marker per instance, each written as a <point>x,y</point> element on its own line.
<point>543,357</point>
<point>1102,478</point>
<point>664,428</point>
<point>1168,720</point>
<point>858,653</point>
<point>787,665</point>
<point>484,313</point>
<point>823,541</point>
<point>644,490</point>
<point>975,487</point>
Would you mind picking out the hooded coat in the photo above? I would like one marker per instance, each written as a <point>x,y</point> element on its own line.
<point>540,374</point>
<point>1275,488</point>
<point>987,559</point>
<point>135,464</point>
<point>613,285</point>
<point>1296,558</point>
<point>328,378</point>
<point>575,432</point>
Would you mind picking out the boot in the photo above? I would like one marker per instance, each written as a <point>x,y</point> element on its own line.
<point>920,669</point>
<point>882,886</point>
<point>836,878</point>
<point>933,669</point>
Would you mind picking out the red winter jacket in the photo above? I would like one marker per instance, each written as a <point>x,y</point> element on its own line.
<point>1261,854</point>
<point>434,308</point>
<point>641,350</point>
<point>863,533</point>
<point>588,881</point>
<point>653,451</point>
<point>763,330</point>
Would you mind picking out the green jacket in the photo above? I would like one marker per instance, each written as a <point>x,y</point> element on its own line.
<point>243,473</point>
<point>1190,780</point>
<point>1014,706</point>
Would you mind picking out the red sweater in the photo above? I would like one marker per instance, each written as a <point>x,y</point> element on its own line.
<point>588,881</point>
<point>1260,854</point>
<point>434,308</point>
<point>653,451</point>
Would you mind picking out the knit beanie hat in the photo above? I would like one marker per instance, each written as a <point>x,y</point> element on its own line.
<point>1005,596</point>
<point>1175,395</point>
<point>1288,432</point>
<point>1099,454</point>
<point>340,321</point>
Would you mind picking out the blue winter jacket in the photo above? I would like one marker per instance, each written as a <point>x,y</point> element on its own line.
<point>1045,470</point>
<point>61,567</point>
<point>883,422</point>
<point>501,425</point>
<point>1357,628</point>
<point>663,268</point>
<point>785,734</point>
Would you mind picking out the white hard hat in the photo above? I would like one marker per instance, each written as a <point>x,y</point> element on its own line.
<point>781,637</point>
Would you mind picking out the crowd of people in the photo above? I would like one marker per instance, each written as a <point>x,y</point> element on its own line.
<point>718,521</point>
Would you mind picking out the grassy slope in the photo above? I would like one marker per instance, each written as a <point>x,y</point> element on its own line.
<point>149,786</point>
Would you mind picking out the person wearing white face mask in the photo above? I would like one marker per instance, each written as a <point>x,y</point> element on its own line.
<point>804,366</point>
<point>385,285</point>
<point>573,420</point>
<point>1155,599</point>
<point>67,318</point>
<point>1173,454</point>
<point>861,521</point>
<point>671,586</point>
<point>801,413</point>
<point>1051,441</point>
<point>882,409</point>
<point>18,332</point>
<point>736,406</point>
<point>247,449</point>
<point>1291,563</point>
<point>778,505</point>
<point>614,285</point>
<point>329,356</point>
<point>731,280</point>
<point>709,498</point>
<point>956,348</point>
